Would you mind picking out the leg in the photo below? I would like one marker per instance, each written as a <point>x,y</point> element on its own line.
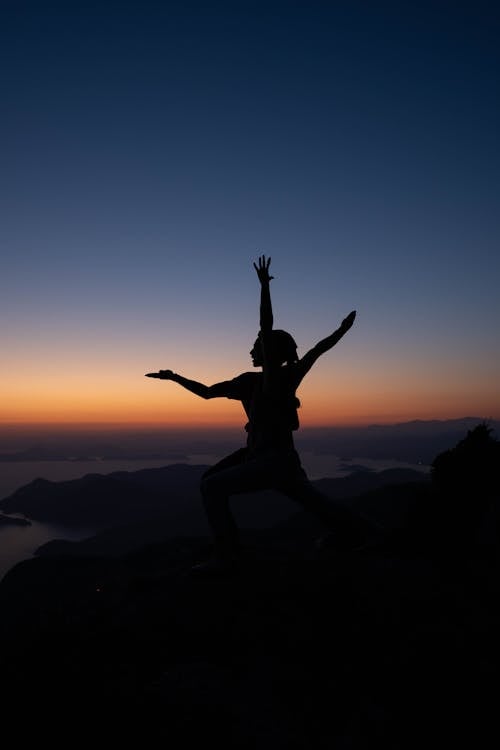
<point>234,459</point>
<point>231,476</point>
<point>312,500</point>
<point>349,528</point>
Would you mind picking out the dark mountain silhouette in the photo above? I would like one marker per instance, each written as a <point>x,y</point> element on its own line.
<point>117,498</point>
<point>394,645</point>
<point>254,511</point>
<point>466,479</point>
<point>471,466</point>
<point>168,498</point>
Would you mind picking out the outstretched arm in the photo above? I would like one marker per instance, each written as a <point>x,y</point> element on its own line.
<point>324,345</point>
<point>199,389</point>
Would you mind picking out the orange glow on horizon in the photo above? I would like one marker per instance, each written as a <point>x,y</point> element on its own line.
<point>347,399</point>
<point>222,413</point>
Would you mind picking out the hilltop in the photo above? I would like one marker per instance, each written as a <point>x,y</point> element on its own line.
<point>392,645</point>
<point>298,649</point>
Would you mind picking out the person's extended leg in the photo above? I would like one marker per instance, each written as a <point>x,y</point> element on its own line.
<point>232,478</point>
<point>347,528</point>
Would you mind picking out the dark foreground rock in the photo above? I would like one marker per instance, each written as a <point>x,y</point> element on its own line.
<point>390,646</point>
<point>13,521</point>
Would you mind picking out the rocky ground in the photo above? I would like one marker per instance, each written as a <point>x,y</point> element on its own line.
<point>393,646</point>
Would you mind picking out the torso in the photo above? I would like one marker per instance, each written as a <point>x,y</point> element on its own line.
<point>272,418</point>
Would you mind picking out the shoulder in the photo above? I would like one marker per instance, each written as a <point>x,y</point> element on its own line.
<point>241,385</point>
<point>247,379</point>
<point>294,373</point>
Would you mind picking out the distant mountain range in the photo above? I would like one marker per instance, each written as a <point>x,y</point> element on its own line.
<point>129,509</point>
<point>413,442</point>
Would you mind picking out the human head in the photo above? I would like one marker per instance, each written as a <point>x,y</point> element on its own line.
<point>284,349</point>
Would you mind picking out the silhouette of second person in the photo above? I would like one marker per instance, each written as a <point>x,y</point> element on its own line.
<point>269,460</point>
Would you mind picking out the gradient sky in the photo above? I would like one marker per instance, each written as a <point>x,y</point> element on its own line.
<point>152,150</point>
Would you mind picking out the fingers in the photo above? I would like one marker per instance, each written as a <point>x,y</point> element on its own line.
<point>263,264</point>
<point>262,268</point>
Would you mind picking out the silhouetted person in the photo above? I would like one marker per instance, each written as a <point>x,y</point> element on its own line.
<point>269,460</point>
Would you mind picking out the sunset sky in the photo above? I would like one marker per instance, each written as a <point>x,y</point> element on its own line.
<point>151,151</point>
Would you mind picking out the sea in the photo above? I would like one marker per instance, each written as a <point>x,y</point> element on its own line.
<point>19,543</point>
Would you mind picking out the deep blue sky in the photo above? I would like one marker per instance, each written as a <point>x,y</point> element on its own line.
<point>151,151</point>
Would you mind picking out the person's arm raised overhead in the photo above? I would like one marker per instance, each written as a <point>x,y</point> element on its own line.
<point>266,308</point>
<point>325,344</point>
<point>266,322</point>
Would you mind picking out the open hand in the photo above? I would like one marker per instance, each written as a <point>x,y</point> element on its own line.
<point>347,322</point>
<point>161,374</point>
<point>263,270</point>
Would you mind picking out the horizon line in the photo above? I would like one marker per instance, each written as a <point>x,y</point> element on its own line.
<point>155,426</point>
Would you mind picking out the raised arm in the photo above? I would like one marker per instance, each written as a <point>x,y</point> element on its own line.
<point>324,345</point>
<point>266,308</point>
<point>269,364</point>
<point>199,389</point>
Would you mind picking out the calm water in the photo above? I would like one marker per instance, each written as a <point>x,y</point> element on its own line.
<point>20,542</point>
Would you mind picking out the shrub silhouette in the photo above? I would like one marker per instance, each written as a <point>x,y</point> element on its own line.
<point>466,481</point>
<point>471,466</point>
